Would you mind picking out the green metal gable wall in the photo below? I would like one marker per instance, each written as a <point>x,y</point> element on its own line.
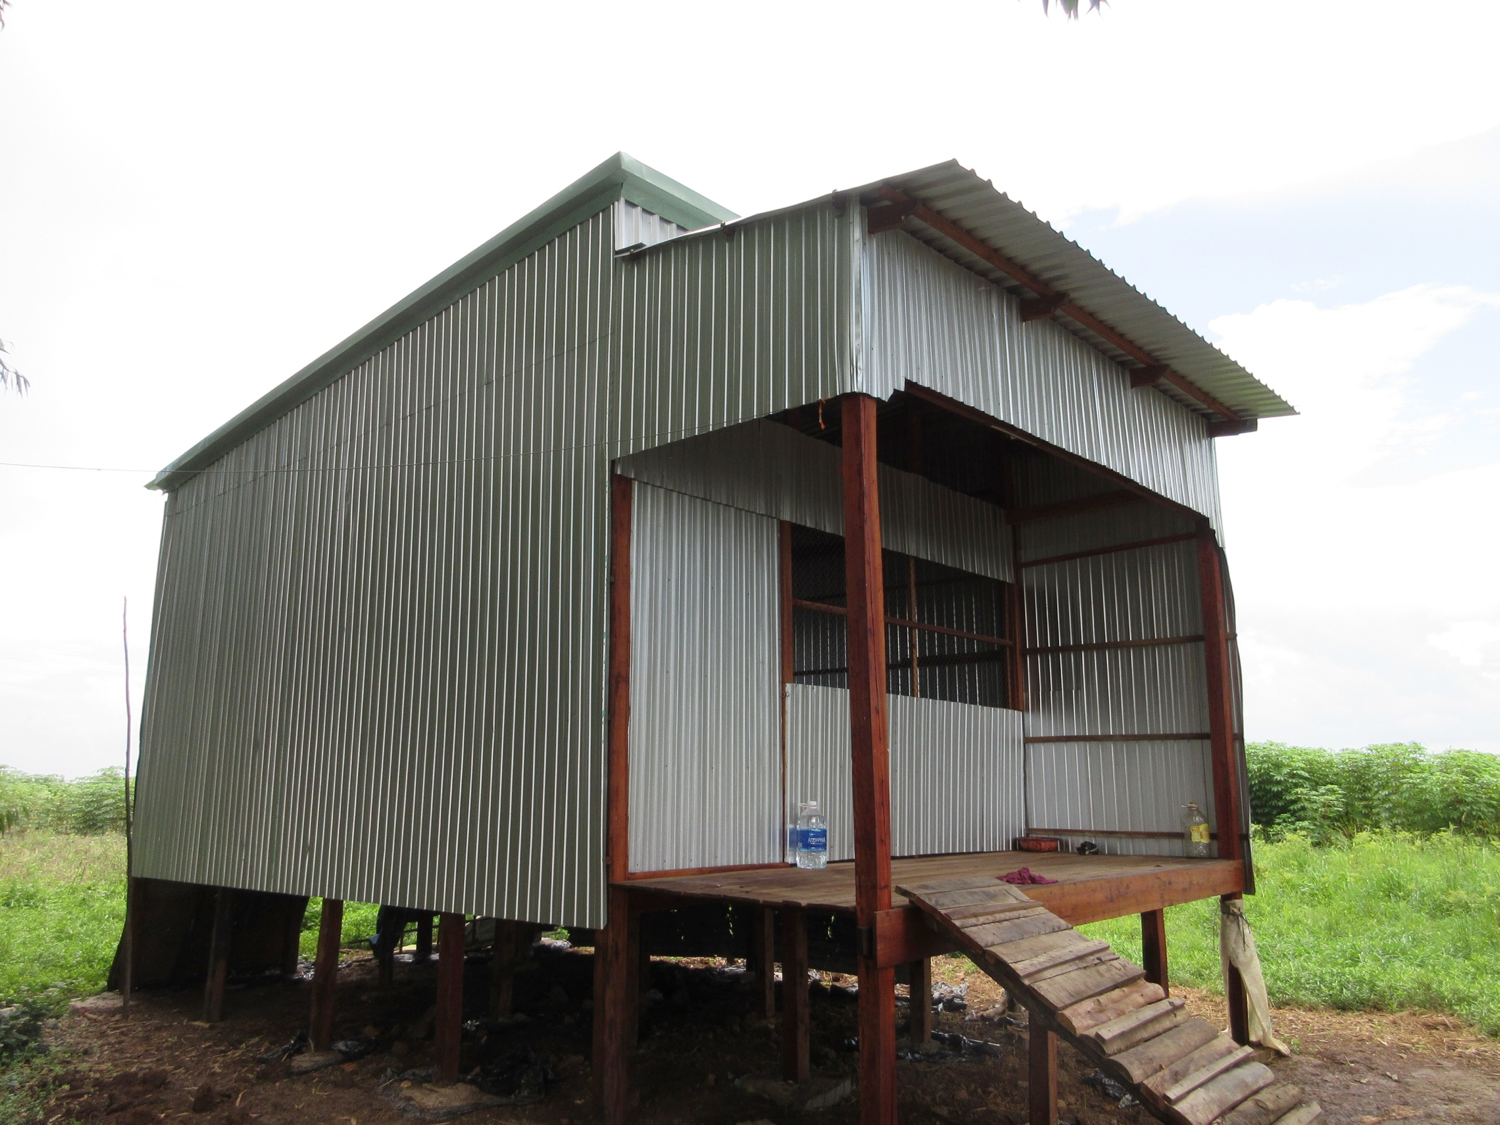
<point>377,667</point>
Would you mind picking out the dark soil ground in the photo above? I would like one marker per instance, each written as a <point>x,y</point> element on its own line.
<point>698,1035</point>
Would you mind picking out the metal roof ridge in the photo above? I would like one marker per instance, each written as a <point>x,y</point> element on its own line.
<point>619,177</point>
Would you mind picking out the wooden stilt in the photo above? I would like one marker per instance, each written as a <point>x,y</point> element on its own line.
<point>127,969</point>
<point>325,974</point>
<point>1236,999</point>
<point>1041,1075</point>
<point>638,965</point>
<point>218,955</point>
<point>796,1052</point>
<point>865,598</point>
<point>291,941</point>
<point>611,1008</point>
<point>920,989</point>
<point>762,959</point>
<point>503,958</point>
<point>424,940</point>
<point>448,1030</point>
<point>1154,947</point>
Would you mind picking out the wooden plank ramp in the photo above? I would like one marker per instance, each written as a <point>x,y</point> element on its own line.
<point>1181,1068</point>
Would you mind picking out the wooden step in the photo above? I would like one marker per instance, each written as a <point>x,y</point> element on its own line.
<point>1215,1098</point>
<point>1268,1106</point>
<point>1218,1048</point>
<point>1304,1114</point>
<point>1134,1028</point>
<point>1139,1064</point>
<point>1101,1009</point>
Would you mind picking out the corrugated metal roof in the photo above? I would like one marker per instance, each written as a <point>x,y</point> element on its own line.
<point>959,195</point>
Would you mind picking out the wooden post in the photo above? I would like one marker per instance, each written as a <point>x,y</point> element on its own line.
<point>865,598</point>
<point>611,1008</point>
<point>504,955</point>
<point>612,1002</point>
<point>762,959</point>
<point>326,973</point>
<point>919,975</point>
<point>424,940</point>
<point>449,1025</point>
<point>1154,946</point>
<point>127,968</point>
<point>796,1052</point>
<point>920,990</point>
<point>1041,1075</point>
<point>291,941</point>
<point>638,966</point>
<point>1226,770</point>
<point>218,955</point>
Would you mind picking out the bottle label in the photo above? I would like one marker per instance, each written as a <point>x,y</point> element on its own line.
<point>1198,833</point>
<point>815,839</point>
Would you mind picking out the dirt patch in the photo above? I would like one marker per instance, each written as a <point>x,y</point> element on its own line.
<point>699,1037</point>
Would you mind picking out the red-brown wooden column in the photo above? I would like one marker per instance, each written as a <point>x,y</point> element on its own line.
<point>1041,1075</point>
<point>449,1024</point>
<point>796,1051</point>
<point>919,974</point>
<point>1154,947</point>
<point>865,589</point>
<point>1221,733</point>
<point>613,1005</point>
<point>218,955</point>
<point>326,974</point>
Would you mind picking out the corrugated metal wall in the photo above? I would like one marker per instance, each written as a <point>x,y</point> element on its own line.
<point>705,679</point>
<point>955,771</point>
<point>377,661</point>
<point>1094,785</point>
<point>774,470</point>
<point>933,322</point>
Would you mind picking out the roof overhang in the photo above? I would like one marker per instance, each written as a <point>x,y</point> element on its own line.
<point>619,177</point>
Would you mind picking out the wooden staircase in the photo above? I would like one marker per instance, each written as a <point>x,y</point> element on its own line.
<point>1182,1068</point>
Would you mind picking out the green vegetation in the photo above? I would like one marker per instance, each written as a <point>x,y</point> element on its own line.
<point>1384,921</point>
<point>1331,795</point>
<point>88,806</point>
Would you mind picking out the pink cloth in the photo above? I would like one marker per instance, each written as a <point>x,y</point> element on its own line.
<point>1023,876</point>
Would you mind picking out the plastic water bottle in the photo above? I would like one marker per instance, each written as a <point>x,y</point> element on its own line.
<point>812,836</point>
<point>1194,831</point>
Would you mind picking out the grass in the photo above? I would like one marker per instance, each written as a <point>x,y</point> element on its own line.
<point>62,904</point>
<point>1385,922</point>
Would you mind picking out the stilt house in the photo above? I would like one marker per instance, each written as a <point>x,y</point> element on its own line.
<point>547,595</point>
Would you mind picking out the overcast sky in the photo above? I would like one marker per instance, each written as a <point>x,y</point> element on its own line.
<point>198,199</point>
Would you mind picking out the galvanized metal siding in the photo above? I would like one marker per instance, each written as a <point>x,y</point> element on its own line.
<point>1147,593</point>
<point>933,322</point>
<point>775,471</point>
<point>635,226</point>
<point>377,667</point>
<point>705,711</point>
<point>956,783</point>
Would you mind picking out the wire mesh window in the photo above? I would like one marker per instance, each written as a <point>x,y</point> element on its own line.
<point>948,633</point>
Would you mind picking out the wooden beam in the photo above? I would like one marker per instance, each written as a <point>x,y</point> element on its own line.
<point>1231,429</point>
<point>1042,308</point>
<point>1073,311</point>
<point>611,1008</point>
<point>1225,757</point>
<point>1148,375</point>
<point>788,651</point>
<point>1099,646</point>
<point>448,1027</point>
<point>762,959</point>
<point>1041,1074</point>
<point>1154,947</point>
<point>888,216</point>
<point>919,989</point>
<point>1189,736</point>
<point>865,595</point>
<point>1072,507</point>
<point>796,1056</point>
<point>1223,752</point>
<point>964,410</point>
<point>1137,545</point>
<point>326,974</point>
<point>617,799</point>
<point>218,955</point>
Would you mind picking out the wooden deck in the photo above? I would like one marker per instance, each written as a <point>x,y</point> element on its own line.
<point>1088,888</point>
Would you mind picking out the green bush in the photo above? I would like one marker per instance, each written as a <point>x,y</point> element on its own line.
<point>86,806</point>
<point>1328,795</point>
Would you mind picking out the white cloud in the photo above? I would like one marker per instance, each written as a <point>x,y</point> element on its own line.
<point>1337,564</point>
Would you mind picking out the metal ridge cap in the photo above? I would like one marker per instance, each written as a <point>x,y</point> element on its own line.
<point>620,176</point>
